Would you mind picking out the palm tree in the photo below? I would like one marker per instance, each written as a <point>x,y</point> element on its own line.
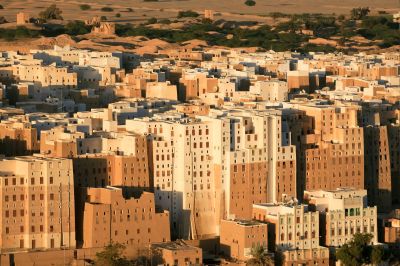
<point>260,257</point>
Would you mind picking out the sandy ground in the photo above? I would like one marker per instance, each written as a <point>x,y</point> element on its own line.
<point>229,9</point>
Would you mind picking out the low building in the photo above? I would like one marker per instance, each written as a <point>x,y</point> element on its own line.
<point>306,257</point>
<point>22,18</point>
<point>344,212</point>
<point>120,215</point>
<point>293,231</point>
<point>392,232</point>
<point>292,226</point>
<point>209,14</point>
<point>238,237</point>
<point>106,28</point>
<point>176,253</point>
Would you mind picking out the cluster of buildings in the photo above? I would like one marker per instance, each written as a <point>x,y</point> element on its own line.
<point>216,150</point>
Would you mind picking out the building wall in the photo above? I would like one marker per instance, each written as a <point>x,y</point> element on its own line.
<point>378,181</point>
<point>120,216</point>
<point>247,235</point>
<point>345,212</point>
<point>308,257</point>
<point>291,227</point>
<point>38,210</point>
<point>46,76</point>
<point>394,150</point>
<point>176,254</point>
<point>18,139</point>
<point>340,228</point>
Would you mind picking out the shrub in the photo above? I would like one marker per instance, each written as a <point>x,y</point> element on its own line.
<point>360,251</point>
<point>359,13</point>
<point>107,9</point>
<point>76,28</point>
<point>276,15</point>
<point>250,3</point>
<point>85,7</point>
<point>103,18</point>
<point>187,14</point>
<point>165,21</point>
<point>19,32</point>
<point>206,21</point>
<point>151,21</point>
<point>52,12</point>
<point>118,15</point>
<point>1,7</point>
<point>150,0</point>
<point>129,9</point>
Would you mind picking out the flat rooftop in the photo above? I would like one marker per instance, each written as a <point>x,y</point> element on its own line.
<point>175,245</point>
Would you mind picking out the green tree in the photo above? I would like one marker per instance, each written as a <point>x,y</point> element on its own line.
<point>76,27</point>
<point>359,251</point>
<point>52,12</point>
<point>188,14</point>
<point>152,21</point>
<point>250,3</point>
<point>260,257</point>
<point>377,255</point>
<point>85,7</point>
<point>107,9</point>
<point>112,256</point>
<point>359,13</point>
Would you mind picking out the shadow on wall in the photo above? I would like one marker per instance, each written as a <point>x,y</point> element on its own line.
<point>14,147</point>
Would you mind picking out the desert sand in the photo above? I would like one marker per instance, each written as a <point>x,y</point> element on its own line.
<point>229,9</point>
